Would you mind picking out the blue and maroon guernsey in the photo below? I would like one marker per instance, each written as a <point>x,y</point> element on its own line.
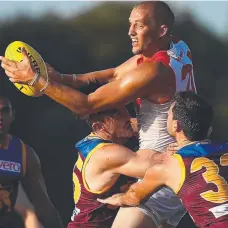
<point>204,187</point>
<point>88,211</point>
<point>12,168</point>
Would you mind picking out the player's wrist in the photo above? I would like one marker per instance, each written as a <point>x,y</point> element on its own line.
<point>34,79</point>
<point>42,83</point>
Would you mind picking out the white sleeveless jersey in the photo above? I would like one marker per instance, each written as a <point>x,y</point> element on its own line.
<point>152,118</point>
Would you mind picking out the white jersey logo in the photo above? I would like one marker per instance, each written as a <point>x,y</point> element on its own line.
<point>10,166</point>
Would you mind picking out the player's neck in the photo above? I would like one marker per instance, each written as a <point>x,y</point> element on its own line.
<point>163,45</point>
<point>183,141</point>
<point>4,140</point>
<point>110,137</point>
<point>103,135</point>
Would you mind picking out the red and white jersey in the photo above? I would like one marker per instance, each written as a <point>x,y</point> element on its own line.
<point>152,118</point>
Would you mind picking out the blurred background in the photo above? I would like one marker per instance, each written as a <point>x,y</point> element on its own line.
<point>79,37</point>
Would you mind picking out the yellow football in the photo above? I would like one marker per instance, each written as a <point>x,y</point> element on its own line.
<point>14,52</point>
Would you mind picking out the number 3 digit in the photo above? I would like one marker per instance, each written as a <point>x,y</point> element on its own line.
<point>211,175</point>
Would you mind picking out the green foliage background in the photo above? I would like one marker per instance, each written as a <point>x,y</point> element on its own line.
<point>96,40</point>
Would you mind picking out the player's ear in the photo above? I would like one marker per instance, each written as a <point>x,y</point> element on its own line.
<point>97,126</point>
<point>176,126</point>
<point>163,31</point>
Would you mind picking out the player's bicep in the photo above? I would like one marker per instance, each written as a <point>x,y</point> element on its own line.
<point>124,161</point>
<point>125,67</point>
<point>135,84</point>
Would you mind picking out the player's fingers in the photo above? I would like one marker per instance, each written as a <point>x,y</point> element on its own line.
<point>102,200</point>
<point>8,67</point>
<point>173,146</point>
<point>7,61</point>
<point>12,76</point>
<point>9,74</point>
<point>14,79</point>
<point>25,55</point>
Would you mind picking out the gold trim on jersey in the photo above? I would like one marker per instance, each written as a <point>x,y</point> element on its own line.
<point>83,171</point>
<point>24,151</point>
<point>183,172</point>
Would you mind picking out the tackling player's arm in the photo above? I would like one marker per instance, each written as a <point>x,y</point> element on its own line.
<point>147,77</point>
<point>166,172</point>
<point>34,185</point>
<point>118,159</point>
<point>101,77</point>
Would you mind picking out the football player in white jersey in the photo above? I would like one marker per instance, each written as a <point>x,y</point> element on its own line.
<point>161,66</point>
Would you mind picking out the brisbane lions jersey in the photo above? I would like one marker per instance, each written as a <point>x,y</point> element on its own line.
<point>204,187</point>
<point>88,212</point>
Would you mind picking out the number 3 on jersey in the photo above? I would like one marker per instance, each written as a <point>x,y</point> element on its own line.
<point>212,176</point>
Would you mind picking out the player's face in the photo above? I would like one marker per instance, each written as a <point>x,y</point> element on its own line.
<point>6,116</point>
<point>143,31</point>
<point>121,125</point>
<point>170,122</point>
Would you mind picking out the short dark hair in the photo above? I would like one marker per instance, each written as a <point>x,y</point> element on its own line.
<point>193,113</point>
<point>162,13</point>
<point>100,116</point>
<point>3,97</point>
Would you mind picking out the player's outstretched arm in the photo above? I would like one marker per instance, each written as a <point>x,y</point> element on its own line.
<point>99,77</point>
<point>153,179</point>
<point>118,159</point>
<point>137,83</point>
<point>34,185</point>
<point>80,80</point>
<point>164,172</point>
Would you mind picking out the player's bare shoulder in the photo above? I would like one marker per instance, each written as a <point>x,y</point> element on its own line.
<point>111,155</point>
<point>125,67</point>
<point>32,159</point>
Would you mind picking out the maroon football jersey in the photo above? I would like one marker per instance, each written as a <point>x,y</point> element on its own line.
<point>204,190</point>
<point>88,211</point>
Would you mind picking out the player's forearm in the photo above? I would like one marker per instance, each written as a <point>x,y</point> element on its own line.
<point>74,100</point>
<point>80,80</point>
<point>130,198</point>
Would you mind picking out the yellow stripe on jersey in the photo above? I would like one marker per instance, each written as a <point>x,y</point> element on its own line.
<point>79,163</point>
<point>183,172</point>
<point>77,188</point>
<point>84,166</point>
<point>24,151</point>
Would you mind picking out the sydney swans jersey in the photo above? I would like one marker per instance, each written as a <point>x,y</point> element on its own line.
<point>12,168</point>
<point>152,118</point>
<point>88,211</point>
<point>204,187</point>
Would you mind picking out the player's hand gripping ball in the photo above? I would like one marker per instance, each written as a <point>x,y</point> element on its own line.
<point>14,52</point>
